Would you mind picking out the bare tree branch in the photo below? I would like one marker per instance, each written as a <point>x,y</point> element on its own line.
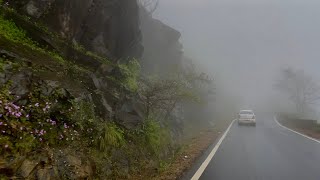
<point>150,5</point>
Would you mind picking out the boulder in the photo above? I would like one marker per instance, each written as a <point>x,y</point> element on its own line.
<point>131,114</point>
<point>73,167</point>
<point>27,167</point>
<point>21,83</point>
<point>36,8</point>
<point>48,173</point>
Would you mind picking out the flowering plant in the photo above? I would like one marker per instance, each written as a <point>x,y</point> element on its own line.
<point>39,122</point>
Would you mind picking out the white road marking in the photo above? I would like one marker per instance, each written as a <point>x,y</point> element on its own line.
<point>275,119</point>
<point>204,165</point>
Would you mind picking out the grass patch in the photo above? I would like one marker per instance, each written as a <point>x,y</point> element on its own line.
<point>10,31</point>
<point>156,137</point>
<point>163,166</point>
<point>130,73</point>
<point>152,137</point>
<point>111,137</point>
<point>83,50</point>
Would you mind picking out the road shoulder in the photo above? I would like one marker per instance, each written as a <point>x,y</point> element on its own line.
<point>296,131</point>
<point>201,162</point>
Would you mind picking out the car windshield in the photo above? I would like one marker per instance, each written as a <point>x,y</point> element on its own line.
<point>246,112</point>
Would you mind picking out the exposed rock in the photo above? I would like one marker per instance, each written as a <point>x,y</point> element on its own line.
<point>98,45</point>
<point>72,167</point>
<point>50,86</point>
<point>65,166</point>
<point>33,9</point>
<point>11,166</point>
<point>131,114</point>
<point>108,27</point>
<point>129,121</point>
<point>162,49</point>
<point>121,163</point>
<point>2,78</point>
<point>27,167</point>
<point>48,173</point>
<point>102,107</point>
<point>21,82</point>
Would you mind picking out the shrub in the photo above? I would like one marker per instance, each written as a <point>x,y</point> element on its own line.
<point>86,121</point>
<point>130,73</point>
<point>43,121</point>
<point>9,30</point>
<point>111,137</point>
<point>154,136</point>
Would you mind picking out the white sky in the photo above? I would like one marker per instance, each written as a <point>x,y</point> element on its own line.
<point>244,43</point>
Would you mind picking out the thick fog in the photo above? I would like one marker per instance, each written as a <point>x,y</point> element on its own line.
<point>244,43</point>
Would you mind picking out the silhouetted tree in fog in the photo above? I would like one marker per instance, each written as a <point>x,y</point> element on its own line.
<point>300,87</point>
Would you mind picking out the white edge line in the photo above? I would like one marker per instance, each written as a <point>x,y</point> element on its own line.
<point>275,119</point>
<point>204,165</point>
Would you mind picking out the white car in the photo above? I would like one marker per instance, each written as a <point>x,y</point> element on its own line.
<point>246,117</point>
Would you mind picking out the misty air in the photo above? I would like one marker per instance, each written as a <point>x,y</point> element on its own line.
<point>159,89</point>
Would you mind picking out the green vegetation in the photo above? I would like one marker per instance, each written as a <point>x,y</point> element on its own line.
<point>155,136</point>
<point>28,127</point>
<point>9,30</point>
<point>60,121</point>
<point>130,73</point>
<point>163,166</point>
<point>91,54</point>
<point>152,138</point>
<point>111,137</point>
<point>13,33</point>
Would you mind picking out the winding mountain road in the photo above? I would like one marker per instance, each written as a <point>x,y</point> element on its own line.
<point>265,152</point>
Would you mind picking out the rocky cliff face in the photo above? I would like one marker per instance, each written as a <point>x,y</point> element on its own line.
<point>66,96</point>
<point>54,65</point>
<point>162,49</point>
<point>108,27</point>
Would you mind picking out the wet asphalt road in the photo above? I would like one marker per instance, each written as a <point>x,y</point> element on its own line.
<point>264,152</point>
